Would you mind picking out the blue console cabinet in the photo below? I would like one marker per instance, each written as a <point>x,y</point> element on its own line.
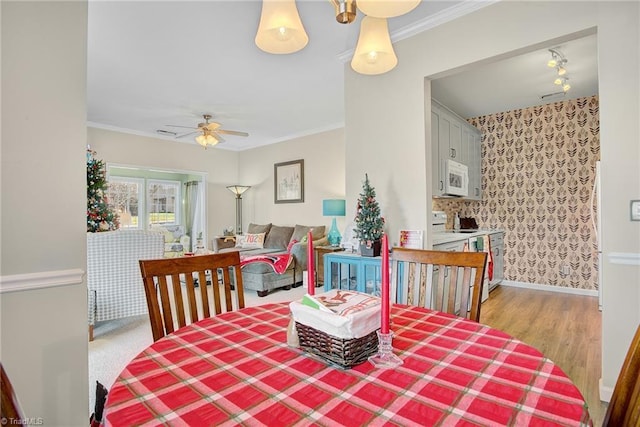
<point>343,270</point>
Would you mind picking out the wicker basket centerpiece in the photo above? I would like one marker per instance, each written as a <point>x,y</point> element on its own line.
<point>338,326</point>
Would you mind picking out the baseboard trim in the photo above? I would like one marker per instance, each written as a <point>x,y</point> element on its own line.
<point>624,258</point>
<point>40,280</point>
<point>605,392</point>
<point>539,287</point>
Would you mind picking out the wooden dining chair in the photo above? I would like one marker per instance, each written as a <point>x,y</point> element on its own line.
<point>451,282</point>
<point>9,406</point>
<point>624,407</point>
<point>170,289</point>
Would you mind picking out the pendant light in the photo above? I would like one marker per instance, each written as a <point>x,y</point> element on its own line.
<point>280,30</point>
<point>374,52</point>
<point>386,8</point>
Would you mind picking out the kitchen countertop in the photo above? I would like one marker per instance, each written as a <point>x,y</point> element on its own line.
<point>453,236</point>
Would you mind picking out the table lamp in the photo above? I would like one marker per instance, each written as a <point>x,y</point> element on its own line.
<point>238,190</point>
<point>334,208</point>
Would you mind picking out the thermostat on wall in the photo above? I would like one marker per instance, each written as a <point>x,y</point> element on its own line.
<point>635,210</point>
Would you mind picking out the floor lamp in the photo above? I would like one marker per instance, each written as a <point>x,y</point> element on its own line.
<point>238,190</point>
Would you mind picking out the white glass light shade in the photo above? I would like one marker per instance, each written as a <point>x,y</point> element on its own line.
<point>280,30</point>
<point>552,63</point>
<point>561,70</point>
<point>374,52</point>
<point>207,139</point>
<point>386,8</point>
<point>566,87</point>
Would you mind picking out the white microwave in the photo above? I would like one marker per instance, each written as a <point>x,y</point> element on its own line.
<point>456,179</point>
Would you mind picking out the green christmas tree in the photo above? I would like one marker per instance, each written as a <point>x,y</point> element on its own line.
<point>369,223</point>
<point>100,217</point>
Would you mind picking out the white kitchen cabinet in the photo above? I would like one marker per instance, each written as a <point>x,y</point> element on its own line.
<point>496,240</point>
<point>437,170</point>
<point>475,164</point>
<point>453,138</point>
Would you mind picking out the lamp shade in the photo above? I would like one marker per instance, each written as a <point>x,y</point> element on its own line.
<point>374,52</point>
<point>386,8</point>
<point>333,207</point>
<point>238,189</point>
<point>280,30</point>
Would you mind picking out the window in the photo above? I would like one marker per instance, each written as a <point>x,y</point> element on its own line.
<point>163,202</point>
<point>124,195</point>
<point>145,198</point>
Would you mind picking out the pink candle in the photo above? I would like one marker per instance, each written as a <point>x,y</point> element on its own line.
<point>384,323</point>
<point>311,274</point>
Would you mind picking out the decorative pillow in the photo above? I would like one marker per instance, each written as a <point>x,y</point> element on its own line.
<point>250,241</point>
<point>278,237</point>
<point>300,231</point>
<point>258,228</point>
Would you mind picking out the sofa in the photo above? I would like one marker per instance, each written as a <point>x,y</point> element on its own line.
<point>114,281</point>
<point>270,239</point>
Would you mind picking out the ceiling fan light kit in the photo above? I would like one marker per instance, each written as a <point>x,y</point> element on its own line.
<point>210,132</point>
<point>207,139</point>
<point>281,31</point>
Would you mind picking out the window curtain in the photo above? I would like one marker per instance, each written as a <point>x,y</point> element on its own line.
<point>194,222</point>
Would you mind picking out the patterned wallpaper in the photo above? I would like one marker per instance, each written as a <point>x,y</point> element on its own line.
<point>538,170</point>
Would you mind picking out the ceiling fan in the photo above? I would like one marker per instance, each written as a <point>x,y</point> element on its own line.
<point>209,132</point>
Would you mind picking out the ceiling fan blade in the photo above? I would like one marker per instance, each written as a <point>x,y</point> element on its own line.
<point>187,134</point>
<point>232,132</point>
<point>218,137</point>
<point>178,126</point>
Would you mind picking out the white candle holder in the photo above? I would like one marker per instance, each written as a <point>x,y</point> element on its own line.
<point>385,358</point>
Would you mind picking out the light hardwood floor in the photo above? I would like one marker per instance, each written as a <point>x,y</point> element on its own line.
<point>566,328</point>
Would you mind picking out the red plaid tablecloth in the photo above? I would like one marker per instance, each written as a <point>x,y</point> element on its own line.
<point>236,368</point>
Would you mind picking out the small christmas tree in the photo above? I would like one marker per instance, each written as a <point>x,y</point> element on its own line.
<point>100,217</point>
<point>369,223</point>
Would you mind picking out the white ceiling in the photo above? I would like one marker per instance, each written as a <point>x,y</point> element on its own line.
<point>158,63</point>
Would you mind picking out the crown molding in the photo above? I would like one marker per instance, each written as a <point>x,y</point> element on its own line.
<point>428,22</point>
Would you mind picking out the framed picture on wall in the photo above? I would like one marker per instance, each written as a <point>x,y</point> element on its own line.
<point>288,182</point>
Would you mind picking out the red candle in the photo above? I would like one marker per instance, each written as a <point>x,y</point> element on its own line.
<point>384,323</point>
<point>311,274</point>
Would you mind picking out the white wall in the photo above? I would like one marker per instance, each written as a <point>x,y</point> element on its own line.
<point>395,156</point>
<point>324,178</point>
<point>221,167</point>
<point>43,302</point>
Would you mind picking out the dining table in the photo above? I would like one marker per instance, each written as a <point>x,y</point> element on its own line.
<point>237,369</point>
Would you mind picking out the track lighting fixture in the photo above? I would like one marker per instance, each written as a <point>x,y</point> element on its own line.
<point>558,61</point>
<point>563,81</point>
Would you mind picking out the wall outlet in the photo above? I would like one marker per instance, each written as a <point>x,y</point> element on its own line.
<point>565,270</point>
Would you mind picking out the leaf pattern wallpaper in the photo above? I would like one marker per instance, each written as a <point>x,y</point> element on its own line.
<point>538,171</point>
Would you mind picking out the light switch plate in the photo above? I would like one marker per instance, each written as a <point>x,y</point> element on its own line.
<point>635,210</point>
